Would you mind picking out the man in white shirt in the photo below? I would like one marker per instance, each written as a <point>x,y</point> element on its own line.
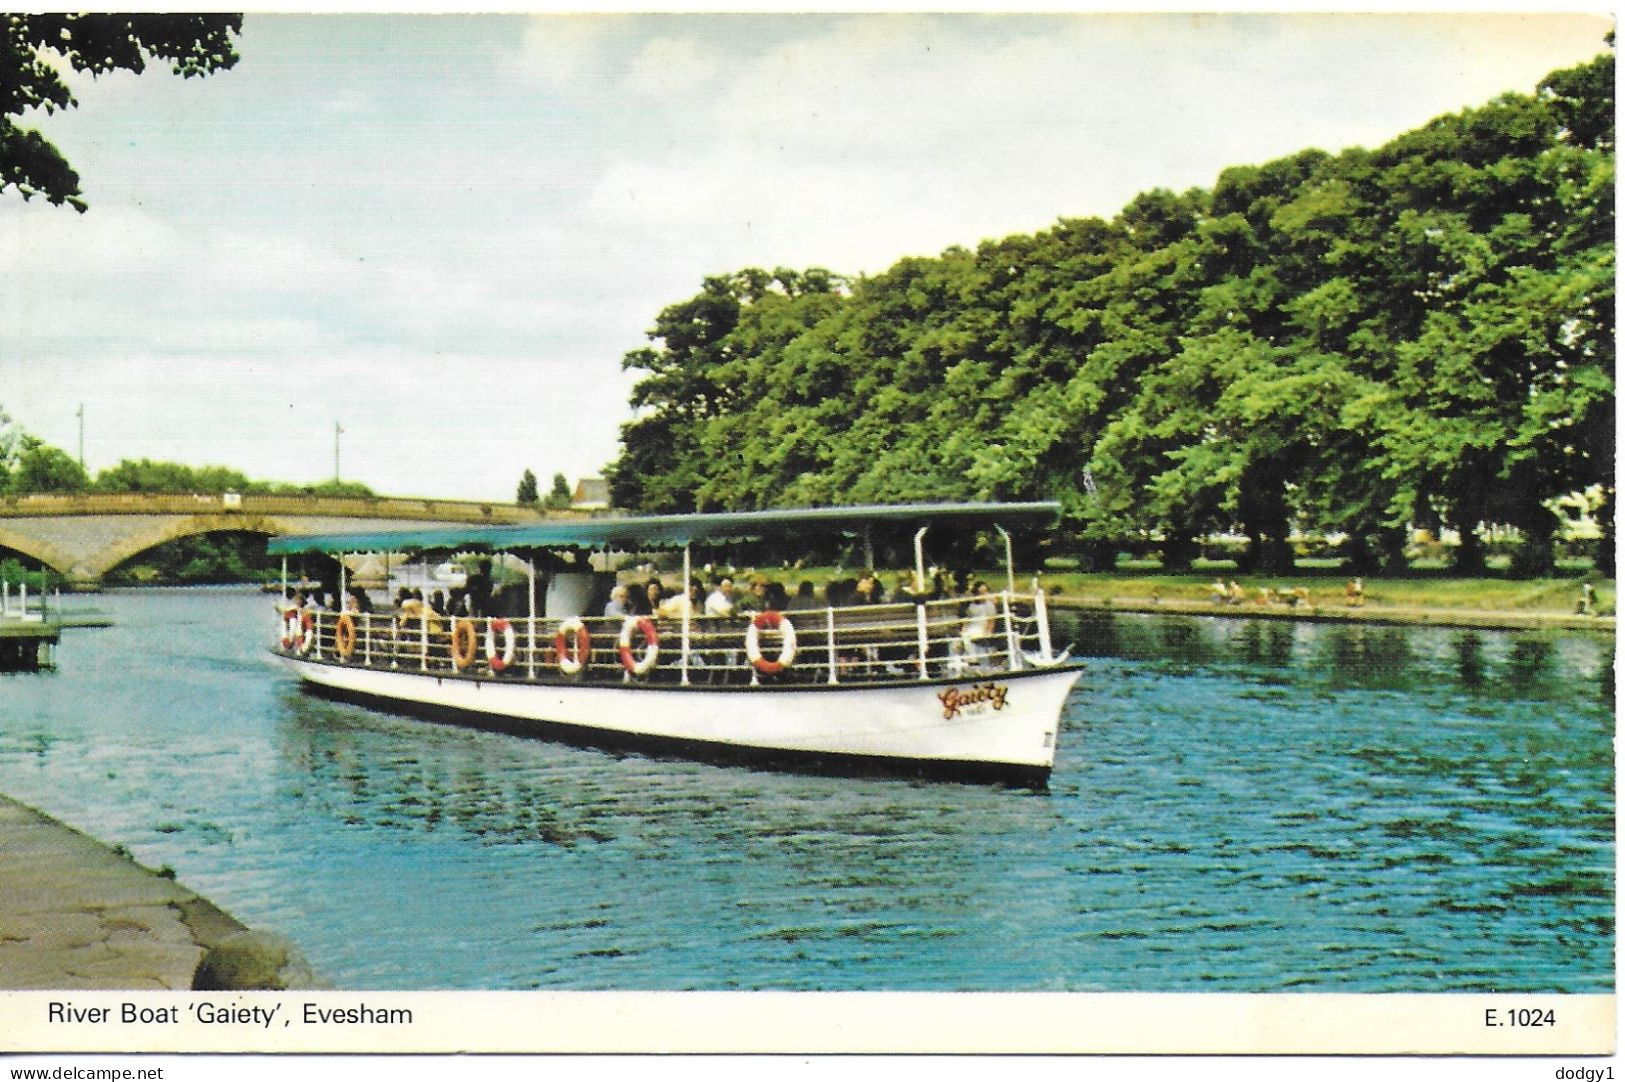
<point>721,601</point>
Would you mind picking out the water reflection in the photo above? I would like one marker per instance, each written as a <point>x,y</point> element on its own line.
<point>1434,661</point>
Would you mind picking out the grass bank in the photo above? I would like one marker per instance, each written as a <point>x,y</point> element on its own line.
<point>1554,596</point>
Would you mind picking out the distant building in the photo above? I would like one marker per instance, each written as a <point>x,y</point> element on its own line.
<point>591,494</point>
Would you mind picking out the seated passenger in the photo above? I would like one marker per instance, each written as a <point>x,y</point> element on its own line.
<point>677,606</point>
<point>617,604</point>
<point>806,599</point>
<point>721,601</point>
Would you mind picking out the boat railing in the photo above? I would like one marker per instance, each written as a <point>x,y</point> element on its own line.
<point>955,637</point>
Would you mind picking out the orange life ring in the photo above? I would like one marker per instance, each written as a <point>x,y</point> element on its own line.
<point>344,636</point>
<point>572,645</point>
<point>771,620</point>
<point>497,661</point>
<point>464,643</point>
<point>637,666</point>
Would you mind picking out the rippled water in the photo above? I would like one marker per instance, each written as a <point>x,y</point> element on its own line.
<point>1237,806</point>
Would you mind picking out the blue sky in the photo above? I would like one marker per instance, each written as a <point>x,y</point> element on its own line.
<point>444,232</point>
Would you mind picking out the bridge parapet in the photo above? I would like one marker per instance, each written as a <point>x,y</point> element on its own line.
<point>165,503</point>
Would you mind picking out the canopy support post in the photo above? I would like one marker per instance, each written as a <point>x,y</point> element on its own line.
<point>530,624</point>
<point>919,556</point>
<point>1009,560</point>
<point>688,606</point>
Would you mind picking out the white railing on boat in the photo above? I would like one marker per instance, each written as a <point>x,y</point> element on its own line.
<point>997,633</point>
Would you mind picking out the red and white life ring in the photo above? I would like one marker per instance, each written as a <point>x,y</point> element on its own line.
<point>495,630</point>
<point>638,666</point>
<point>290,628</point>
<point>307,625</point>
<point>771,621</point>
<point>572,645</point>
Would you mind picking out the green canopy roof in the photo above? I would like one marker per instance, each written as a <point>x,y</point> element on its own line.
<point>642,533</point>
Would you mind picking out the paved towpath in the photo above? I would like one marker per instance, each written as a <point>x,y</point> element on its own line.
<point>76,914</point>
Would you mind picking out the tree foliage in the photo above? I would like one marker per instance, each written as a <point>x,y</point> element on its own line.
<point>1349,343</point>
<point>33,47</point>
<point>527,494</point>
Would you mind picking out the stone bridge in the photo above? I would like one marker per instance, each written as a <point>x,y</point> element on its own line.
<point>82,537</point>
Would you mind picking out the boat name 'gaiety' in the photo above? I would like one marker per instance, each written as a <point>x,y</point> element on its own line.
<point>954,700</point>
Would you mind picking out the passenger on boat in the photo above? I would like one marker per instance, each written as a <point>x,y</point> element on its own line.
<point>721,601</point>
<point>838,592</point>
<point>410,607</point>
<point>478,587</point>
<point>911,590</point>
<point>616,605</point>
<point>653,594</point>
<point>975,638</point>
<point>690,603</point>
<point>806,599</point>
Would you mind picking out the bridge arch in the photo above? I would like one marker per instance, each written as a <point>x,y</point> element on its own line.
<point>36,549</point>
<point>163,531</point>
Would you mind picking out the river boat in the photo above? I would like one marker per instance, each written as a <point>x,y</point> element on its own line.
<point>957,687</point>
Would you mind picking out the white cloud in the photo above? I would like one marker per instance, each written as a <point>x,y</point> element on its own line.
<point>669,66</point>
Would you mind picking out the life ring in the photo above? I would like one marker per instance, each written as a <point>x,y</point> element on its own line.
<point>573,647</point>
<point>651,645</point>
<point>344,636</point>
<point>497,661</point>
<point>464,643</point>
<point>290,628</point>
<point>771,621</point>
<point>307,626</point>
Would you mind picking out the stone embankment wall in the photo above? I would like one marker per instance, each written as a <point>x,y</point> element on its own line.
<point>75,913</point>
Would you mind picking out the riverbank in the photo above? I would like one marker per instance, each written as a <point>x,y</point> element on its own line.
<point>1420,599</point>
<point>78,914</point>
<point>1486,619</point>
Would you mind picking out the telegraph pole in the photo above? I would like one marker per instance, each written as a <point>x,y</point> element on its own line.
<point>81,416</point>
<point>337,432</point>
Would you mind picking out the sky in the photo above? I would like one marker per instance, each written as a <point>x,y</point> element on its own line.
<point>443,233</point>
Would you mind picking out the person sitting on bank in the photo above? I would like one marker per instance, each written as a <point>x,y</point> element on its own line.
<point>1218,594</point>
<point>1234,594</point>
<point>1354,593</point>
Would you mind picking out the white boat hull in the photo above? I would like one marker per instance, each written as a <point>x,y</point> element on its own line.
<point>1004,725</point>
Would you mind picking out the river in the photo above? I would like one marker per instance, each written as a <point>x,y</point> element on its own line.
<point>1237,806</point>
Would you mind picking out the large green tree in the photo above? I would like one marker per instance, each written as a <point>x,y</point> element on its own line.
<point>32,46</point>
<point>1357,343</point>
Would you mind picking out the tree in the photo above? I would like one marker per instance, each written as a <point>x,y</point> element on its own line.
<point>560,496</point>
<point>43,468</point>
<point>527,495</point>
<point>194,45</point>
